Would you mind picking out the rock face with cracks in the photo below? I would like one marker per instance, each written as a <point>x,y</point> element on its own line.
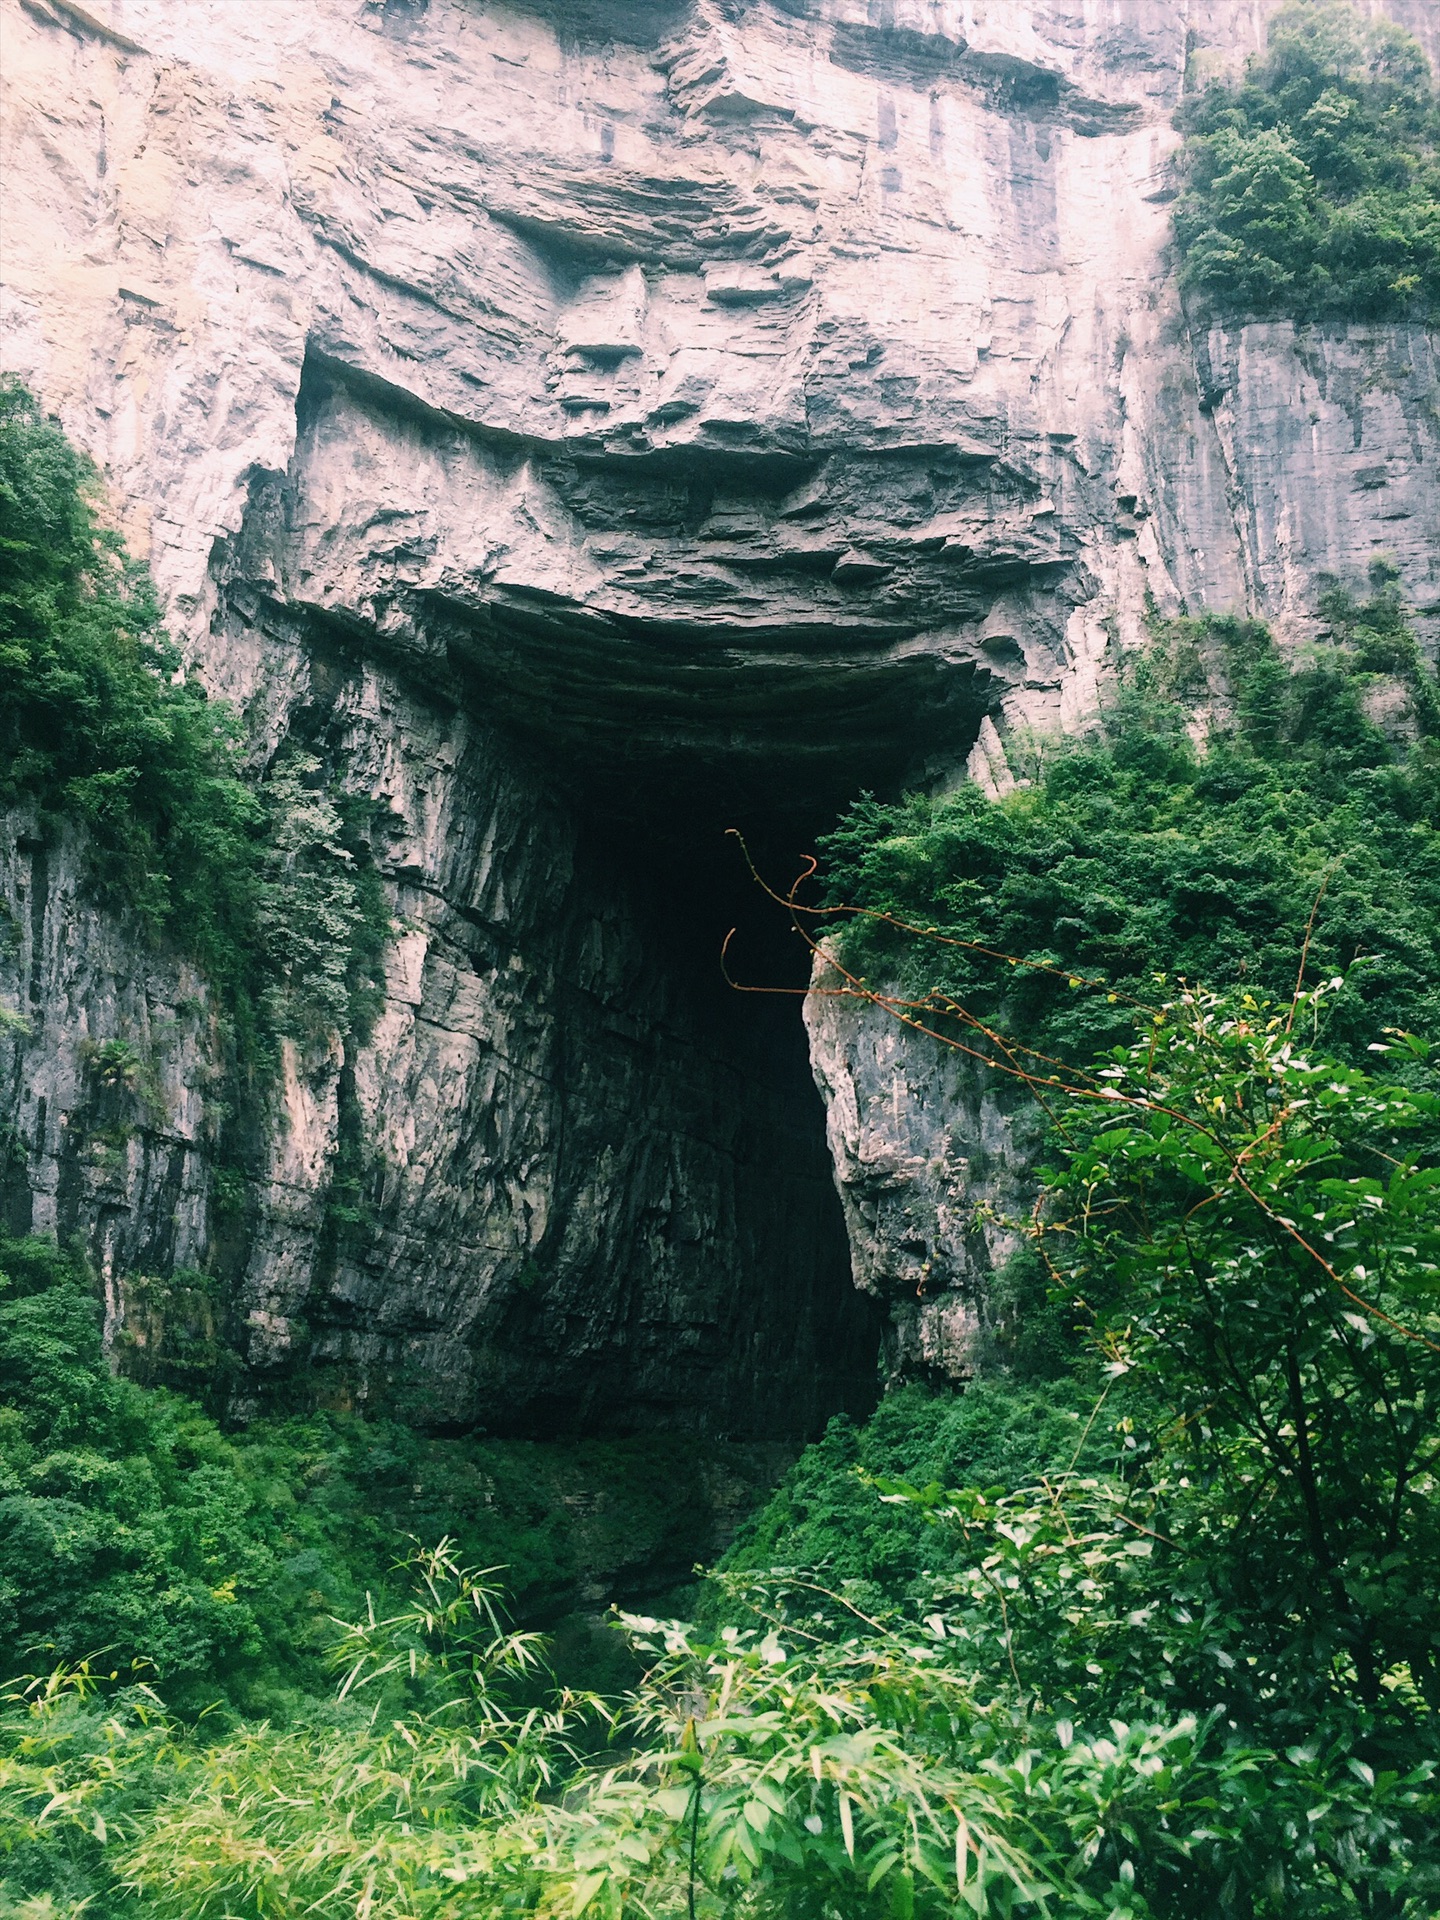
<point>589,428</point>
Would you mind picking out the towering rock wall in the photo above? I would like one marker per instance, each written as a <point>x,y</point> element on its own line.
<point>594,426</point>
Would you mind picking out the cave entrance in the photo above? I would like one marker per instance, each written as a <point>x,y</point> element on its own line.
<point>642,1229</point>
<point>668,735</point>
<point>666,745</point>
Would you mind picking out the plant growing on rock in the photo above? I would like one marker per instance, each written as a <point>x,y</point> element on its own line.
<point>1313,187</point>
<point>114,1063</point>
<point>269,888</point>
<point>1048,914</point>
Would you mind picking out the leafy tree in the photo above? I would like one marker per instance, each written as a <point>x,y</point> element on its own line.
<point>1313,187</point>
<point>1250,227</point>
<point>1256,1231</point>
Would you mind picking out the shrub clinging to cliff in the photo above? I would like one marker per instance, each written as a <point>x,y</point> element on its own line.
<point>1136,853</point>
<point>267,885</point>
<point>1313,186</point>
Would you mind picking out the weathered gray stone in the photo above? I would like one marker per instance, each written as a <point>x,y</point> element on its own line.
<point>933,1155</point>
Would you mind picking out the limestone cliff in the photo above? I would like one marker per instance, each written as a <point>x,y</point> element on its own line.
<point>590,427</point>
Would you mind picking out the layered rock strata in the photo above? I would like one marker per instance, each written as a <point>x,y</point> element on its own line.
<point>933,1158</point>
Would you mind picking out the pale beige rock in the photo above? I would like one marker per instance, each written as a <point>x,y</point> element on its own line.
<point>932,1159</point>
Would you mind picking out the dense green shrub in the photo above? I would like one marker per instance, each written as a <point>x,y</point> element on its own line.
<point>1313,187</point>
<point>268,886</point>
<point>1254,1230</point>
<point>126,1522</point>
<point>130,1522</point>
<point>824,1516</point>
<point>1139,855</point>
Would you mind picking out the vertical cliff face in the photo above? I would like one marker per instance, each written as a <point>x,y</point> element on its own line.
<point>589,429</point>
<point>932,1160</point>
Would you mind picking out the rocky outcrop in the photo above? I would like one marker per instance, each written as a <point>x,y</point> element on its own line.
<point>590,1194</point>
<point>933,1156</point>
<point>596,427</point>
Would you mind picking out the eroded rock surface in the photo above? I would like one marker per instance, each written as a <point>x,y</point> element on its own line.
<point>596,426</point>
<point>933,1157</point>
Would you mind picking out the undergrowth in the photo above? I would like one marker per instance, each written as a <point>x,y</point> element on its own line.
<point>1108,1647</point>
<point>1004,1431</point>
<point>210,1563</point>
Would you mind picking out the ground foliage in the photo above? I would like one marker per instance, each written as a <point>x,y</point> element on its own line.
<point>776,1770</point>
<point>267,883</point>
<point>1313,186</point>
<point>1004,1432</point>
<point>1180,1662</point>
<point>212,1563</point>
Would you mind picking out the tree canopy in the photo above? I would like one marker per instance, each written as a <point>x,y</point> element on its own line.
<point>1313,185</point>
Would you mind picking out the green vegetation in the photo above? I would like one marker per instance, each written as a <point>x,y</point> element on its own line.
<point>1145,1626</point>
<point>1004,1432</point>
<point>268,887</point>
<point>1244,1526</point>
<point>1253,1230</point>
<point>1313,187</point>
<point>1137,854</point>
<point>212,1564</point>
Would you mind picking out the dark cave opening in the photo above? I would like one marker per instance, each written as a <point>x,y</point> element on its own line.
<point>692,1269</point>
<point>770,1337</point>
<point>692,777</point>
<point>691,754</point>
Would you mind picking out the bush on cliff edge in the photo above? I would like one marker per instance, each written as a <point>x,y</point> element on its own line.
<point>266,883</point>
<point>1313,186</point>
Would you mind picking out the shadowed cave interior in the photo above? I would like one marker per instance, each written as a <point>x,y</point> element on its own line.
<point>668,767</point>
